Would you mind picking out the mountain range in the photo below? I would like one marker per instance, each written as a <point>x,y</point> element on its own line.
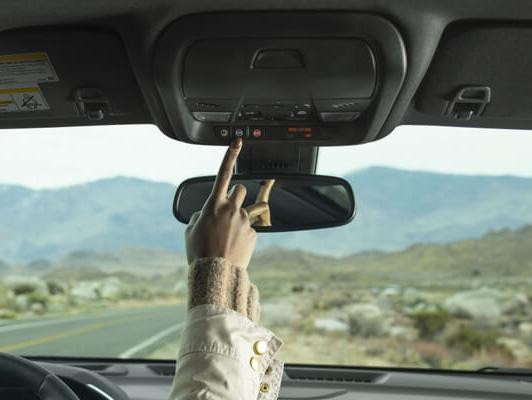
<point>395,209</point>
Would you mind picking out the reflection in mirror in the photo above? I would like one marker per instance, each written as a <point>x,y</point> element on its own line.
<point>294,202</point>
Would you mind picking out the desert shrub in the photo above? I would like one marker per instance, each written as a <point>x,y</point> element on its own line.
<point>23,288</point>
<point>436,355</point>
<point>298,288</point>
<point>430,322</point>
<point>37,298</point>
<point>279,314</point>
<point>54,288</point>
<point>365,320</point>
<point>7,314</point>
<point>468,340</point>
<point>329,299</point>
<point>5,298</point>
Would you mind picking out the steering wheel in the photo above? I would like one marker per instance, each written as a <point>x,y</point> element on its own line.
<point>18,373</point>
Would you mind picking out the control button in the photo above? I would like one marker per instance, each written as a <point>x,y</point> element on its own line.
<point>254,363</point>
<point>260,347</point>
<point>212,116</point>
<point>240,132</point>
<point>223,131</point>
<point>257,133</point>
<point>339,116</point>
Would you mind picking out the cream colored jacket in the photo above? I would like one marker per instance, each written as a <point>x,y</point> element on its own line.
<point>224,354</point>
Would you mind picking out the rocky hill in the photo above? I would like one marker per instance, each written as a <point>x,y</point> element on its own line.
<point>396,209</point>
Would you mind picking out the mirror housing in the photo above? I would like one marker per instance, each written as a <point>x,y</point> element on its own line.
<point>296,202</point>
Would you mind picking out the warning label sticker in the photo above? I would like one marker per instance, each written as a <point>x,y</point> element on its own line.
<point>16,99</point>
<point>26,67</point>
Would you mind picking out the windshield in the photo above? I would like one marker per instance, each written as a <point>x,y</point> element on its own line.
<point>435,271</point>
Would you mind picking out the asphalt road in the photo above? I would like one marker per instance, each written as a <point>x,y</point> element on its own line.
<point>125,333</point>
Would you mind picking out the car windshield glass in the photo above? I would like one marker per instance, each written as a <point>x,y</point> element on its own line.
<point>435,271</point>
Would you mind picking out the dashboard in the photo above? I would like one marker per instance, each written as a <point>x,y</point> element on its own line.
<point>136,380</point>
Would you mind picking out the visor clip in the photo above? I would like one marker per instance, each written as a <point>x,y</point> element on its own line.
<point>92,103</point>
<point>468,103</point>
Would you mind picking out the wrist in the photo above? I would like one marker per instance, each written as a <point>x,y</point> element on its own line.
<point>215,280</point>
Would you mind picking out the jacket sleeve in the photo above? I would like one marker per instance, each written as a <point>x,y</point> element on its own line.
<point>223,353</point>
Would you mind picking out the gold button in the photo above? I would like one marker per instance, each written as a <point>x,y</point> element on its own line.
<point>254,363</point>
<point>269,371</point>
<point>264,388</point>
<point>260,347</point>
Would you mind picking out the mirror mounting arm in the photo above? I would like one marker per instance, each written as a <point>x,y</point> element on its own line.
<point>278,158</point>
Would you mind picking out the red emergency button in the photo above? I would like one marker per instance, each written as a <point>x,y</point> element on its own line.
<point>257,133</point>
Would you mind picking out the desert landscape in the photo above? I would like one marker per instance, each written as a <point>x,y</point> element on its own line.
<point>462,305</point>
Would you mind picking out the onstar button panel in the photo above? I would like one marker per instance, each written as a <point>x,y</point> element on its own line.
<point>270,132</point>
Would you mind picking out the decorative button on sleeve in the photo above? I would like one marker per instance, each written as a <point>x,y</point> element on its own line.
<point>260,347</point>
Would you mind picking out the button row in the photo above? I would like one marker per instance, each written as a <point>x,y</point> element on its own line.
<point>244,132</point>
<point>260,347</point>
<point>270,132</point>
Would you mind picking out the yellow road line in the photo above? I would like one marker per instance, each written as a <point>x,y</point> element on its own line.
<point>74,332</point>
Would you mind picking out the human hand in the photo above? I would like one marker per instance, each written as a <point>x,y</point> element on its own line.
<point>263,197</point>
<point>222,228</point>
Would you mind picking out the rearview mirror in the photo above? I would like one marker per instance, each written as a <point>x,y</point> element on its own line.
<point>296,202</point>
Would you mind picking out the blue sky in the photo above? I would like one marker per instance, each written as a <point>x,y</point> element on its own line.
<point>54,157</point>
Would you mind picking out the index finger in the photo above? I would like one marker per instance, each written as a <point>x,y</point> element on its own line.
<point>221,184</point>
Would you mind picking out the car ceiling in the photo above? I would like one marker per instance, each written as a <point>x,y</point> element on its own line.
<point>421,24</point>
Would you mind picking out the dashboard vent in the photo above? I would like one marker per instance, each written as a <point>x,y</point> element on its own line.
<point>163,370</point>
<point>334,375</point>
<point>104,369</point>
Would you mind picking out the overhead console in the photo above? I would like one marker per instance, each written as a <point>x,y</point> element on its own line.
<point>321,79</point>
